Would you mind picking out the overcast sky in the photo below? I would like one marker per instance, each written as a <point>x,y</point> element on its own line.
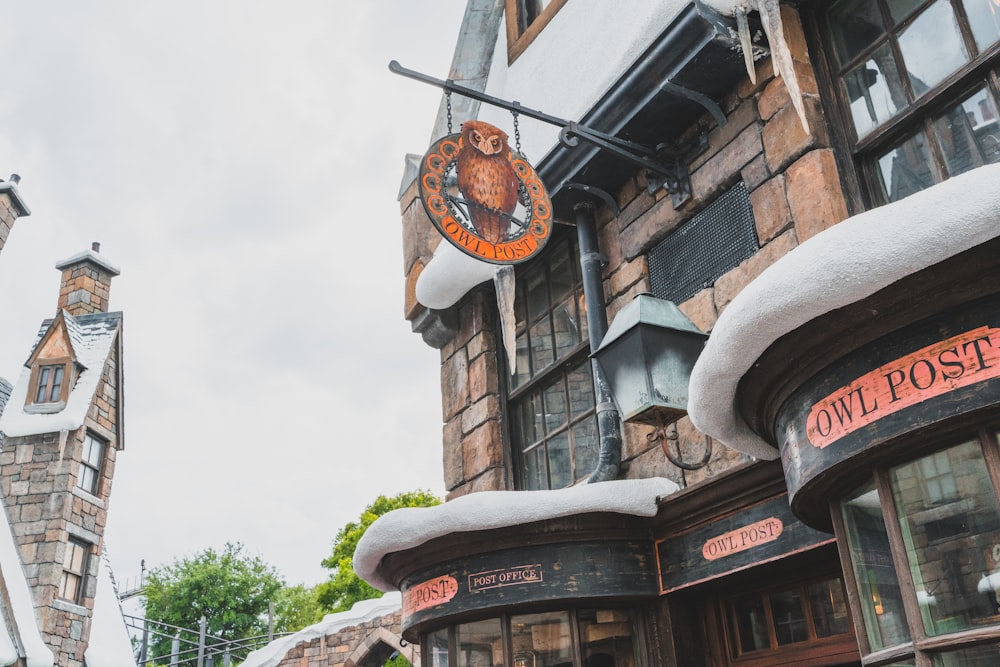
<point>239,160</point>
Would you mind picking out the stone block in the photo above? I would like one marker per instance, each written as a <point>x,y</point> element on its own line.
<point>635,208</point>
<point>784,139</point>
<point>627,275</point>
<point>700,309</point>
<point>720,170</point>
<point>650,228</point>
<point>814,192</point>
<point>718,138</point>
<point>491,480</point>
<point>420,237</point>
<point>770,209</point>
<point>652,463</point>
<point>454,385</point>
<point>722,459</point>
<point>483,377</point>
<point>480,412</point>
<point>410,304</point>
<point>481,449</point>
<point>730,284</point>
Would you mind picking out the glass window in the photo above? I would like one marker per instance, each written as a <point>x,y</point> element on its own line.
<point>50,382</point>
<point>785,616</point>
<point>573,638</point>
<point>74,570</point>
<point>91,462</point>
<point>943,521</point>
<point>950,520</point>
<point>553,419</point>
<point>525,19</point>
<point>914,63</point>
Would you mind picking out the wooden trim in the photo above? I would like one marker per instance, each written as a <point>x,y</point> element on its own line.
<point>518,41</point>
<point>850,578</point>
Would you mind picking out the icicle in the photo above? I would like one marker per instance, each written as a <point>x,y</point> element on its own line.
<point>781,56</point>
<point>503,279</point>
<point>746,42</point>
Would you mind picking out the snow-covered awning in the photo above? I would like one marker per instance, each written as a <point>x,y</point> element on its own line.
<point>840,266</point>
<point>412,526</point>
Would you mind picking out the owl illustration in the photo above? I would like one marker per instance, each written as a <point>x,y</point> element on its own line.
<point>487,179</point>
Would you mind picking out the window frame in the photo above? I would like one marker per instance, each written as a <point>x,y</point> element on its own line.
<point>520,36</point>
<point>91,483</point>
<point>73,546</point>
<point>858,156</point>
<point>921,646</point>
<point>538,381</point>
<point>54,403</point>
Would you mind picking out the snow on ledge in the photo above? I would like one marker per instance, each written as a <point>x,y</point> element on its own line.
<point>450,275</point>
<point>412,526</point>
<point>841,265</point>
<point>362,612</point>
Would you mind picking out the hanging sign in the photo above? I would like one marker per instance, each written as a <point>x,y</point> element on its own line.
<point>484,197</point>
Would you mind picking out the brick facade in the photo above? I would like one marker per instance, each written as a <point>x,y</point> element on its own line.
<point>366,644</point>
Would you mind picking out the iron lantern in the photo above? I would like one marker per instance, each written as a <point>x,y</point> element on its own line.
<point>647,356</point>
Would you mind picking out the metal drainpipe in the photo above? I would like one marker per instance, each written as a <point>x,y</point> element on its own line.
<point>608,420</point>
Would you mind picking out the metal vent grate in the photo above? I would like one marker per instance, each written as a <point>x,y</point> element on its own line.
<point>704,248</point>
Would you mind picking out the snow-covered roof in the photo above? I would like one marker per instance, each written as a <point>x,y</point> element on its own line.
<point>412,526</point>
<point>110,645</point>
<point>92,338</point>
<point>840,266</point>
<point>362,612</point>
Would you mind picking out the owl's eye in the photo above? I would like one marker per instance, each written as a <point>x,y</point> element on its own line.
<point>477,137</point>
<point>495,142</point>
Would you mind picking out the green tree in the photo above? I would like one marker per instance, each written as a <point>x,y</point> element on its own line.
<point>296,607</point>
<point>344,587</point>
<point>231,589</point>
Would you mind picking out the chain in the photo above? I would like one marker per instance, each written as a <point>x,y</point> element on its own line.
<point>517,133</point>
<point>447,97</point>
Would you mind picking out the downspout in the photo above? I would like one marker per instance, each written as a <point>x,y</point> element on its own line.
<point>608,420</point>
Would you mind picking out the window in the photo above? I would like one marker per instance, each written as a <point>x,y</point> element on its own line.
<point>923,543</point>
<point>575,638</point>
<point>918,86</point>
<point>74,570</point>
<point>525,19</point>
<point>91,462</point>
<point>50,383</point>
<point>551,403</point>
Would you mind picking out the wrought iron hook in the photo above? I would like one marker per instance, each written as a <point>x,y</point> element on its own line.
<point>667,434</point>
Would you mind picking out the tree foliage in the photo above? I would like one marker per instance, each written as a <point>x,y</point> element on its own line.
<point>344,587</point>
<point>231,589</point>
<point>296,607</point>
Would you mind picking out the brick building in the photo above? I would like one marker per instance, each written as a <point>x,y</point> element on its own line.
<point>830,219</point>
<point>62,430</point>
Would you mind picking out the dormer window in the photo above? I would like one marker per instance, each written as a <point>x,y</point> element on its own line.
<point>51,380</point>
<point>525,19</point>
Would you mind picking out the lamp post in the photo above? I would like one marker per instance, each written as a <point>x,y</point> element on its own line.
<point>647,356</point>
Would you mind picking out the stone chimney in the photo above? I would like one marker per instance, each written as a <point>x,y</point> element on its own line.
<point>11,207</point>
<point>86,282</point>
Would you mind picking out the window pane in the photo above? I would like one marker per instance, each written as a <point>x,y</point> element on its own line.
<point>523,361</point>
<point>871,558</point>
<point>542,353</point>
<point>932,47</point>
<point>555,406</point>
<point>984,17</point>
<point>566,326</point>
<point>542,639</point>
<point>538,298</point>
<point>980,656</point>
<point>950,520</point>
<point>535,474</point>
<point>900,9</point>
<point>43,384</point>
<point>874,91</point>
<point>437,648</point>
<point>57,378</point>
<point>528,421</point>
<point>606,638</point>
<point>751,624</point>
<point>789,617</point>
<point>969,133</point>
<point>69,589</point>
<point>93,451</point>
<point>828,608</point>
<point>87,479</point>
<point>560,464</point>
<point>585,447</point>
<point>561,276</point>
<point>855,25</point>
<point>906,168</point>
<point>479,644</point>
<point>581,389</point>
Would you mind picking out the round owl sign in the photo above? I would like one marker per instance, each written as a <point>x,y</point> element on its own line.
<point>484,197</point>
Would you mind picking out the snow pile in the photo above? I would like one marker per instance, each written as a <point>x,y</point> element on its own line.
<point>842,265</point>
<point>109,645</point>
<point>412,526</point>
<point>362,612</point>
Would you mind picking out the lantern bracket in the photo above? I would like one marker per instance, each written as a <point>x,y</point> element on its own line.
<point>666,435</point>
<point>667,168</point>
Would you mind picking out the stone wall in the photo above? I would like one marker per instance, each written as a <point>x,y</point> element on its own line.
<point>366,644</point>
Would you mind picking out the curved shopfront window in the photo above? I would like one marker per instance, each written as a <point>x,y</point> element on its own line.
<point>923,539</point>
<point>575,638</point>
